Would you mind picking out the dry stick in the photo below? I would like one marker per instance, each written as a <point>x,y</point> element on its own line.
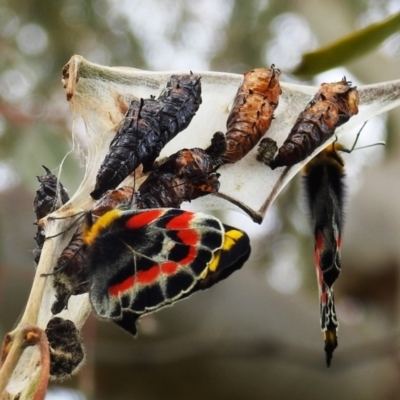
<point>45,370</point>
<point>16,341</point>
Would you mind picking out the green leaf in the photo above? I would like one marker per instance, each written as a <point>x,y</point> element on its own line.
<point>347,48</point>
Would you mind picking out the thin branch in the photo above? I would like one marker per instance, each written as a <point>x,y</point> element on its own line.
<point>13,346</point>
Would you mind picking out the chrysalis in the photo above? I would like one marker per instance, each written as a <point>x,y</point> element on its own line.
<point>50,196</point>
<point>183,176</point>
<point>66,348</point>
<point>331,107</point>
<point>147,127</point>
<point>252,113</point>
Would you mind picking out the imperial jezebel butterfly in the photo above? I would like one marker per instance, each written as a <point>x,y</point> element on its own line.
<point>141,261</point>
<point>325,190</point>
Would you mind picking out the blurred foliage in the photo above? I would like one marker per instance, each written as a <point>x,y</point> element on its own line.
<point>37,38</point>
<point>347,48</point>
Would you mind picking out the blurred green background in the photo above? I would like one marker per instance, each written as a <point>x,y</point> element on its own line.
<point>255,335</point>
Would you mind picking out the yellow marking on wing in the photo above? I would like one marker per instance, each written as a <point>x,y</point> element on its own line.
<point>214,262</point>
<point>231,237</point>
<point>91,233</point>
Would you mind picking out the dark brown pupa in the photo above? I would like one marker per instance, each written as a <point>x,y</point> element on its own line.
<point>183,176</point>
<point>50,196</point>
<point>147,127</point>
<point>333,105</point>
<point>252,112</point>
<point>66,348</point>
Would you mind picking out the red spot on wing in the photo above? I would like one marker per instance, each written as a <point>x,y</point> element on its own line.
<point>339,242</point>
<point>169,268</point>
<point>319,240</point>
<point>190,257</point>
<point>149,276</point>
<point>141,278</point>
<point>189,237</point>
<point>143,218</point>
<point>182,221</point>
<point>121,287</point>
<point>324,297</point>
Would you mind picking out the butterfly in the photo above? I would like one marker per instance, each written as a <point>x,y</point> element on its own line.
<point>141,261</point>
<point>149,124</point>
<point>252,112</point>
<point>325,189</point>
<point>185,175</point>
<point>331,107</point>
<point>324,182</point>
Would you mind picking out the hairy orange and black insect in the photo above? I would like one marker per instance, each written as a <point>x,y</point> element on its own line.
<point>325,189</point>
<point>147,127</point>
<point>331,107</point>
<point>66,348</point>
<point>183,176</point>
<point>50,196</point>
<point>252,112</point>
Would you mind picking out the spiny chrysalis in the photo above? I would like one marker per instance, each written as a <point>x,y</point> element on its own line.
<point>183,176</point>
<point>132,145</point>
<point>252,112</point>
<point>66,348</point>
<point>147,127</point>
<point>324,185</point>
<point>50,196</point>
<point>331,107</point>
<point>142,261</point>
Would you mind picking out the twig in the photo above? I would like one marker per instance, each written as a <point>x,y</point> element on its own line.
<point>13,346</point>
<point>27,333</point>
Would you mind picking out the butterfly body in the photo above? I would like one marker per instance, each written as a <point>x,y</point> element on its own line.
<point>324,183</point>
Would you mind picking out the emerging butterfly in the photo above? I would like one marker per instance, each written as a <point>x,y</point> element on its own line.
<point>331,107</point>
<point>252,112</point>
<point>141,261</point>
<point>184,176</point>
<point>325,188</point>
